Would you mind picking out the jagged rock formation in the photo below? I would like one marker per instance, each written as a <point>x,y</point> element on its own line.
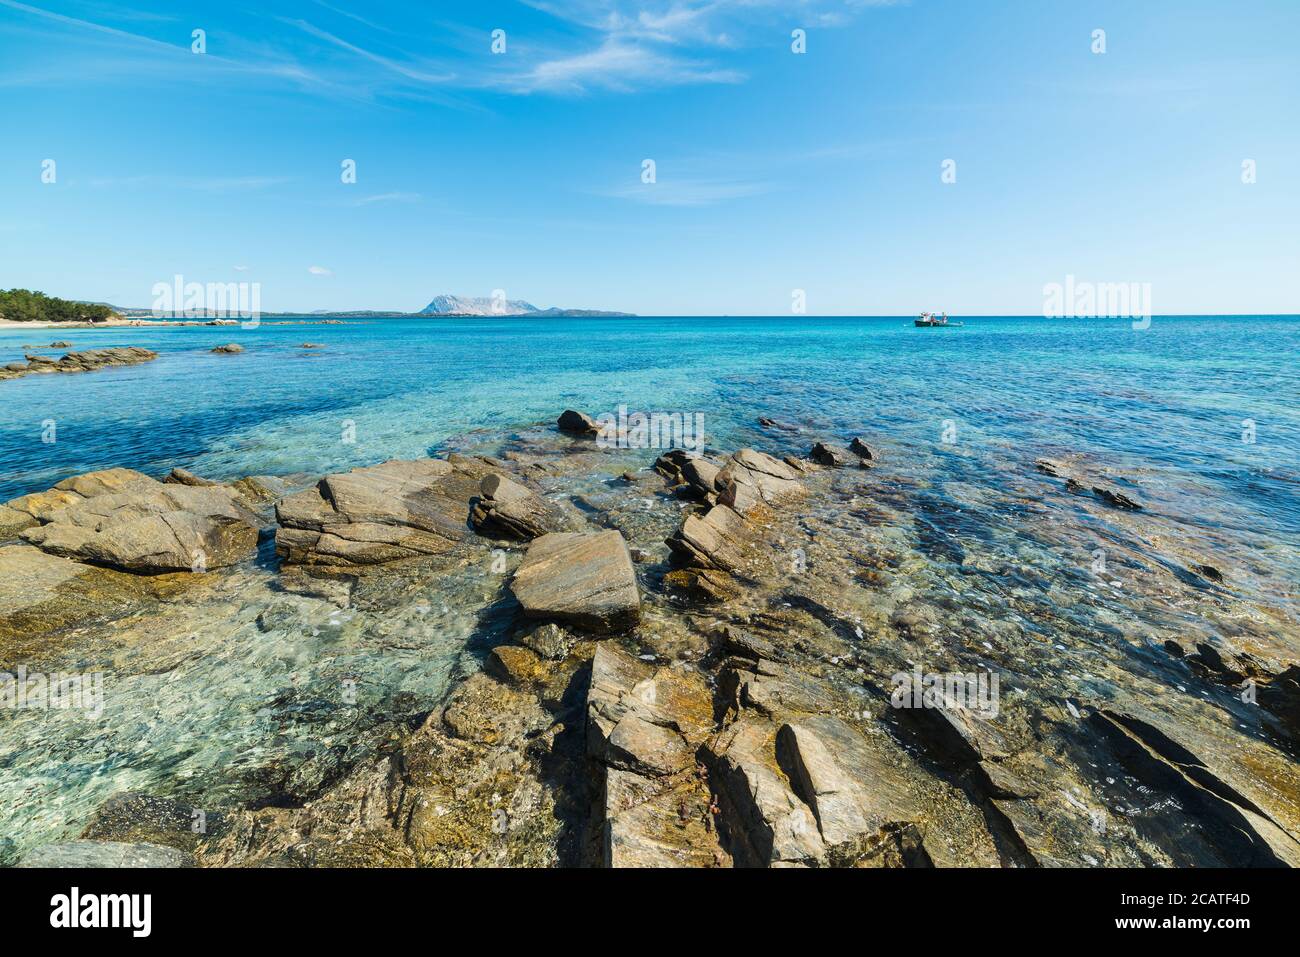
<point>644,725</point>
<point>1076,481</point>
<point>619,719</point>
<point>836,456</point>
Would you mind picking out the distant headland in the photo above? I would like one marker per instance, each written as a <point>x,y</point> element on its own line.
<point>37,309</point>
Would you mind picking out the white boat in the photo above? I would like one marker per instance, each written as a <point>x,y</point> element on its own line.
<point>930,319</point>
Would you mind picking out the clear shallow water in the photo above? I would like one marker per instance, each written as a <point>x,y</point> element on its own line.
<point>1171,398</point>
<point>238,698</point>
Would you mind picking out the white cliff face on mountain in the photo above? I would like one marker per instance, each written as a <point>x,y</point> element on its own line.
<point>477,306</point>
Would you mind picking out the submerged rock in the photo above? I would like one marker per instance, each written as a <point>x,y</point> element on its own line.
<point>114,854</point>
<point>586,578</point>
<point>1209,572</point>
<point>229,348</point>
<point>29,576</point>
<point>43,595</point>
<point>516,665</point>
<point>1077,482</point>
<point>136,818</point>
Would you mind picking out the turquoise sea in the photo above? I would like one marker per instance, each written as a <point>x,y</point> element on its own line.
<point>1174,398</point>
<point>235,699</point>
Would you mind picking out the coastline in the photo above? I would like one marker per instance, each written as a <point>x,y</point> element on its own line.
<point>769,622</point>
<point>122,322</point>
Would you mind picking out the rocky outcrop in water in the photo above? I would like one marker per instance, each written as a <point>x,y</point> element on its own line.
<point>1079,481</point>
<point>836,456</point>
<point>126,520</point>
<point>378,514</point>
<point>577,423</point>
<point>624,715</point>
<point>88,361</point>
<point>179,476</point>
<point>860,448</point>
<point>507,509</point>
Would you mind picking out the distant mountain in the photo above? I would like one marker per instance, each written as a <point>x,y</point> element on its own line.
<point>441,306</point>
<point>477,306</point>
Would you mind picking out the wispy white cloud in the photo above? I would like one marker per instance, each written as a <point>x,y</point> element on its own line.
<point>115,11</point>
<point>395,66</point>
<point>176,57</point>
<point>387,198</point>
<point>636,45</point>
<point>615,65</point>
<point>87,25</point>
<point>688,192</point>
<point>319,271</point>
<point>600,45</point>
<point>352,16</point>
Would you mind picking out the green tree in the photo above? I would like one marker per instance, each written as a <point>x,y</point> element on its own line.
<point>25,305</point>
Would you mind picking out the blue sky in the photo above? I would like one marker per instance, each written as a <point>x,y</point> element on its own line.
<point>775,171</point>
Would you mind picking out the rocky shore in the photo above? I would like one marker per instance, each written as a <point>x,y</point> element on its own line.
<point>87,361</point>
<point>139,322</point>
<point>694,661</point>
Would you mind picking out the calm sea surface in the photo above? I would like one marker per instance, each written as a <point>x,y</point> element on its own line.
<point>1172,397</point>
<point>236,698</point>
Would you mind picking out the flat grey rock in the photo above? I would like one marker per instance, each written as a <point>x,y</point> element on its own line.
<point>586,578</point>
